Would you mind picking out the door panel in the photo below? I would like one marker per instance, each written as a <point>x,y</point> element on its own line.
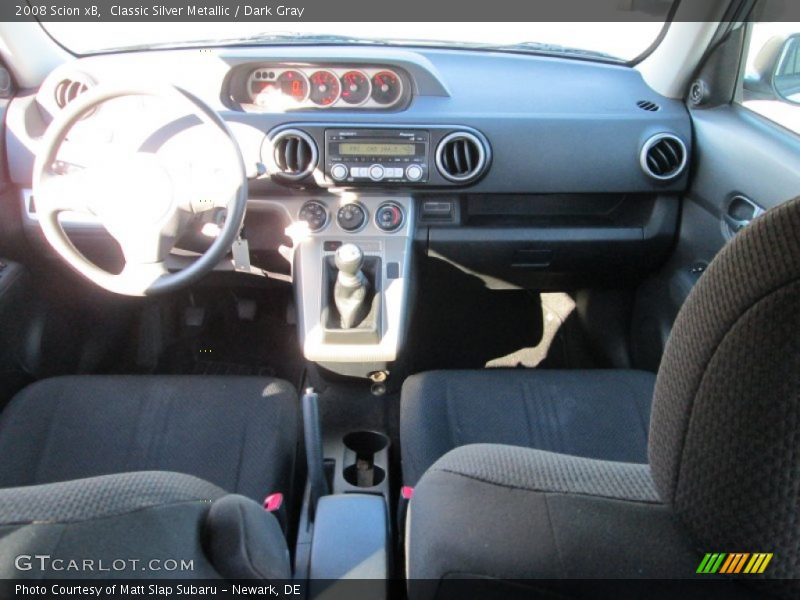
<point>740,156</point>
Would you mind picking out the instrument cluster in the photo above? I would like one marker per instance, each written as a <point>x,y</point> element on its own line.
<point>289,87</point>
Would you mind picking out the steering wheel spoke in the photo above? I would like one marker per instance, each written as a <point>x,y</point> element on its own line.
<point>72,191</point>
<point>145,273</point>
<point>143,247</point>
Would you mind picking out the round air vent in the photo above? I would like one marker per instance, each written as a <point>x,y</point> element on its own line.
<point>648,105</point>
<point>5,82</point>
<point>294,154</point>
<point>70,88</point>
<point>663,156</point>
<point>461,157</point>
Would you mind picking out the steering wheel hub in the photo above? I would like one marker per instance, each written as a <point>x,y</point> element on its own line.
<point>138,193</point>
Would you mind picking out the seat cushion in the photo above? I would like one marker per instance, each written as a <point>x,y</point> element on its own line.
<point>494,512</point>
<point>210,533</point>
<point>602,414</point>
<point>239,433</point>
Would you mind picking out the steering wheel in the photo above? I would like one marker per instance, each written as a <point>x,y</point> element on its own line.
<point>137,200</point>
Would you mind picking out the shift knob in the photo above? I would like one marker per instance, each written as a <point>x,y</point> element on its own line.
<point>350,289</point>
<point>349,259</point>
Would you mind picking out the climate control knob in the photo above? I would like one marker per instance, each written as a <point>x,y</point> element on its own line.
<point>351,217</point>
<point>376,172</point>
<point>414,172</point>
<point>315,214</point>
<point>339,172</point>
<point>389,216</point>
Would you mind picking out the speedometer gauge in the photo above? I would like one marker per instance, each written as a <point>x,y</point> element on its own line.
<point>355,87</point>
<point>386,87</point>
<point>294,84</point>
<point>325,88</point>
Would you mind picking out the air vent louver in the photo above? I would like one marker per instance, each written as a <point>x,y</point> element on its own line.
<point>663,156</point>
<point>460,157</point>
<point>69,89</point>
<point>295,154</point>
<point>648,105</point>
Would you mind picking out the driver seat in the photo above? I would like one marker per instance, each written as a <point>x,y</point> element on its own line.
<point>185,462</point>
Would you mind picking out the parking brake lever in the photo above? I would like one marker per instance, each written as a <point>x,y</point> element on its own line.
<point>312,433</point>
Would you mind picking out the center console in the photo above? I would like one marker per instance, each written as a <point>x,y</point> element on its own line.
<point>351,274</point>
<point>344,531</point>
<point>352,319</point>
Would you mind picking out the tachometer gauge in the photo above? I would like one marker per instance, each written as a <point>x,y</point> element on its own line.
<point>386,87</point>
<point>325,88</point>
<point>294,84</point>
<point>355,87</point>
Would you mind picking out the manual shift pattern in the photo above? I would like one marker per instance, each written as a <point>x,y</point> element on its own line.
<point>351,287</point>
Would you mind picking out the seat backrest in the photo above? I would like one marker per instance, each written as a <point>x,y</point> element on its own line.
<point>725,427</point>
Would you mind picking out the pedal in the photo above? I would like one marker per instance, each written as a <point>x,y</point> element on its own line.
<point>194,316</point>
<point>246,309</point>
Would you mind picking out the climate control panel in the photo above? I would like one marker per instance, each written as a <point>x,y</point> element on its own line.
<point>389,216</point>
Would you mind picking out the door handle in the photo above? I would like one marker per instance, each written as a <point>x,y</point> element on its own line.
<point>740,212</point>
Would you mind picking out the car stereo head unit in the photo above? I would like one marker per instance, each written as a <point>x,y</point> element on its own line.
<point>377,155</point>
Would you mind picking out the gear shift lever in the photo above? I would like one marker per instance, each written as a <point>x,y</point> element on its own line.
<point>350,289</point>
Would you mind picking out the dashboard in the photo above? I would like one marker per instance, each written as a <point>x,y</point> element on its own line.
<point>517,124</point>
<point>534,170</point>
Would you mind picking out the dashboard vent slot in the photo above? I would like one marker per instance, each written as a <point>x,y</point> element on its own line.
<point>648,105</point>
<point>663,156</point>
<point>460,157</point>
<point>295,154</point>
<point>68,89</point>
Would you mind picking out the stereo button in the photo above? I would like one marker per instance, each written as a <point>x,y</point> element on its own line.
<point>376,172</point>
<point>339,172</point>
<point>414,173</point>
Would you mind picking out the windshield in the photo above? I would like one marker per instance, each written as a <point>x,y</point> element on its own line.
<point>609,41</point>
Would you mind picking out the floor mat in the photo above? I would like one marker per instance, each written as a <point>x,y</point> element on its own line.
<point>265,346</point>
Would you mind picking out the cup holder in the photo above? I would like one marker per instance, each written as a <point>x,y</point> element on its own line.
<point>364,473</point>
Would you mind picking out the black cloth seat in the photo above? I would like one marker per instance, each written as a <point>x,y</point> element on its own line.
<point>722,474</point>
<point>239,433</point>
<point>602,414</point>
<point>184,462</point>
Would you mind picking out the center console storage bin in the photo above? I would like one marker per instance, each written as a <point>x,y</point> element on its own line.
<point>351,541</point>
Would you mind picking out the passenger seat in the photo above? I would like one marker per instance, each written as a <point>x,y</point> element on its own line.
<point>723,473</point>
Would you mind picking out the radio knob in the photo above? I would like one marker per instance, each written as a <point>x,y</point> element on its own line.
<point>414,172</point>
<point>339,172</point>
<point>376,172</point>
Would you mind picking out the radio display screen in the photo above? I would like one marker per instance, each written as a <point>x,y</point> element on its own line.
<point>375,149</point>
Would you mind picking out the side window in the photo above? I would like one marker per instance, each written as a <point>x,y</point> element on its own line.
<point>771,83</point>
